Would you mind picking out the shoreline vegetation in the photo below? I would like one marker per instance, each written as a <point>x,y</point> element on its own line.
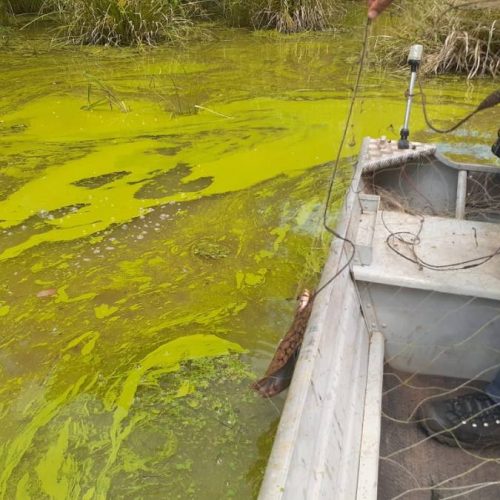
<point>459,36</point>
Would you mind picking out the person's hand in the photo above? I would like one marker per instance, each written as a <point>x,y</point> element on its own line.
<point>375,7</point>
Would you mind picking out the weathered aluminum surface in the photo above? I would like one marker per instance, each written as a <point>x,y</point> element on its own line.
<point>331,420</point>
<point>441,241</point>
<point>315,453</point>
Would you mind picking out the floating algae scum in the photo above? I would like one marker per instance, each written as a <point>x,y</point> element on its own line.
<point>148,255</point>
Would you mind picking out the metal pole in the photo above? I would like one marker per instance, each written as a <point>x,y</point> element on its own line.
<point>410,99</point>
<point>414,61</point>
<point>461,194</point>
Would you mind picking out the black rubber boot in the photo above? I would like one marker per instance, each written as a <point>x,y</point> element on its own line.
<point>470,421</point>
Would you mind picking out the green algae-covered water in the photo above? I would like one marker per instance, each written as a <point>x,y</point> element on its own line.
<point>158,213</point>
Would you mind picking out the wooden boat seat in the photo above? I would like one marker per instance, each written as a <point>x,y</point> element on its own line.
<point>442,241</point>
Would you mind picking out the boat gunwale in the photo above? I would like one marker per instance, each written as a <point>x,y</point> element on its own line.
<point>274,482</point>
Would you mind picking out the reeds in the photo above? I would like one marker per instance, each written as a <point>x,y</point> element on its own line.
<point>22,6</point>
<point>121,22</point>
<point>106,96</point>
<point>286,16</point>
<point>232,12</point>
<point>139,22</point>
<point>290,16</point>
<point>457,38</point>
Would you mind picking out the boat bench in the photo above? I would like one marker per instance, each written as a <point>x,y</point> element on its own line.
<point>443,241</point>
<point>435,322</point>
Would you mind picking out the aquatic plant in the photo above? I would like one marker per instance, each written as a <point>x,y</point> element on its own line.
<point>22,6</point>
<point>290,16</point>
<point>135,22</point>
<point>458,39</point>
<point>108,95</point>
<point>287,16</point>
<point>121,22</point>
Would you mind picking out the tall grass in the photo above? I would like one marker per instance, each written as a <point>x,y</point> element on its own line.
<point>232,12</point>
<point>286,16</point>
<point>456,39</point>
<point>22,6</point>
<point>121,22</point>
<point>289,16</point>
<point>137,22</point>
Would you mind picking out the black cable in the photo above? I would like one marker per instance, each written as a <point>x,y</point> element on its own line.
<point>415,241</point>
<point>492,100</point>
<point>337,162</point>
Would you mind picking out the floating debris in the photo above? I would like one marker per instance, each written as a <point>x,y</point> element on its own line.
<point>49,292</point>
<point>209,249</point>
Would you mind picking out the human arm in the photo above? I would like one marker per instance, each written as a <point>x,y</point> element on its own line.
<point>376,7</point>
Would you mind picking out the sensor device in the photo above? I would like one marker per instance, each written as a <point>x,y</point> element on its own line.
<point>414,60</point>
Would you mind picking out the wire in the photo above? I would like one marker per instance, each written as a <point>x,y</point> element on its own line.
<point>335,169</point>
<point>491,100</point>
<point>414,240</point>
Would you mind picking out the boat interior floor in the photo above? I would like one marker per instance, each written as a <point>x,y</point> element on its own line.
<point>415,467</point>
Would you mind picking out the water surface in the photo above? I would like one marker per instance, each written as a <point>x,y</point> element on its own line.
<point>159,212</point>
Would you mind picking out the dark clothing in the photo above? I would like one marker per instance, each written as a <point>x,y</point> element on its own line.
<point>493,389</point>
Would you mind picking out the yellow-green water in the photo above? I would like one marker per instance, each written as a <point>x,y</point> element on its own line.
<point>157,212</point>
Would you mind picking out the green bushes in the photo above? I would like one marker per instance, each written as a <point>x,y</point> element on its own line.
<point>456,40</point>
